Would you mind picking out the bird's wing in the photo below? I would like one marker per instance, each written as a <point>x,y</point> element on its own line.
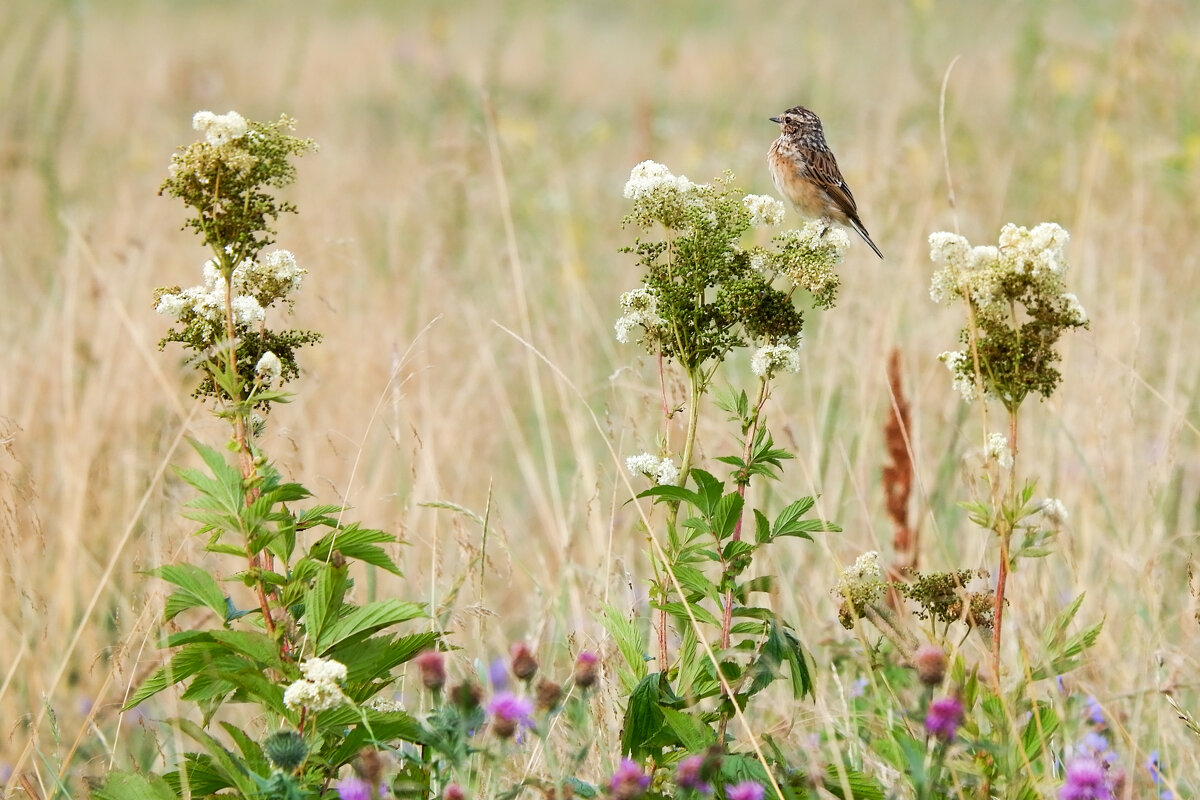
<point>825,173</point>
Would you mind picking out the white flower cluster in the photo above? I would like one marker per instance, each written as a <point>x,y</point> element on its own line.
<point>660,470</point>
<point>269,368</point>
<point>773,358</point>
<point>807,258</point>
<point>650,178</point>
<point>964,379</point>
<point>764,210</point>
<point>863,581</point>
<point>639,307</point>
<point>997,449</point>
<point>978,272</point>
<point>276,277</point>
<point>218,129</point>
<point>1054,511</point>
<point>318,690</point>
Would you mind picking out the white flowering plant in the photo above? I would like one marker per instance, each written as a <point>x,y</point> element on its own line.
<point>278,629</point>
<point>705,293</point>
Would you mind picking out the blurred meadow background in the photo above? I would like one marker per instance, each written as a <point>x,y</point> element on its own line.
<point>464,211</point>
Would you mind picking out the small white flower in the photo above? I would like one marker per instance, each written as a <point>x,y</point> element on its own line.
<point>660,470</point>
<point>1075,309</point>
<point>1054,511</point>
<point>323,669</point>
<point>948,248</point>
<point>171,305</point>
<point>997,449</point>
<point>943,286</point>
<point>247,311</point>
<point>863,581</point>
<point>649,177</point>
<point>219,129</point>
<point>314,695</point>
<point>383,704</point>
<point>773,358</point>
<point>268,369</point>
<point>964,382</point>
<point>282,266</point>
<point>764,210</point>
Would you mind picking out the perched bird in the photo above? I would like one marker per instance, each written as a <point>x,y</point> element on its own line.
<point>806,173</point>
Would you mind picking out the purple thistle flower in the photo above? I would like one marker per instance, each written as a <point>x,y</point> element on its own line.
<point>353,788</point>
<point>628,781</point>
<point>1085,779</point>
<point>508,711</point>
<point>746,790</point>
<point>687,775</point>
<point>944,716</point>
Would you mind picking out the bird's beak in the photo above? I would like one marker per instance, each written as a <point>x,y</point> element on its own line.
<point>775,119</point>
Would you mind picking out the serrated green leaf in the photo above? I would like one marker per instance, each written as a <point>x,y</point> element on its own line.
<point>726,515</point>
<point>366,620</point>
<point>643,719</point>
<point>225,763</point>
<point>696,583</point>
<point>762,527</point>
<point>197,588</point>
<point>1039,730</point>
<point>708,491</point>
<point>356,542</point>
<point>692,734</point>
<point>630,641</point>
<point>679,612</point>
<point>131,786</point>
<point>671,492</point>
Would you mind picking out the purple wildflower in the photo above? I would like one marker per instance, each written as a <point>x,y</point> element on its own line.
<point>453,792</point>
<point>508,711</point>
<point>944,716</point>
<point>353,788</point>
<point>1095,712</point>
<point>746,790</point>
<point>587,669</point>
<point>687,775</point>
<point>1085,779</point>
<point>432,666</point>
<point>628,781</point>
<point>498,675</point>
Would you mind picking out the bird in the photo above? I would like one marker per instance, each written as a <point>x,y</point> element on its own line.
<point>807,175</point>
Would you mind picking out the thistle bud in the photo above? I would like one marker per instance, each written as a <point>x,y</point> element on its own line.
<point>524,665</point>
<point>930,661</point>
<point>285,750</point>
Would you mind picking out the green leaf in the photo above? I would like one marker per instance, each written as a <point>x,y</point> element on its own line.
<point>257,647</point>
<point>726,515</point>
<point>670,492</point>
<point>762,527</point>
<point>839,779</point>
<point>366,620</point>
<point>324,600</point>
<point>355,542</point>
<point>695,583</point>
<point>252,752</point>
<point>679,612</point>
<point>630,641</point>
<point>693,734</point>
<point>197,588</point>
<point>131,786</point>
<point>736,548</point>
<point>708,490</point>
<point>1038,732</point>
<point>643,719</point>
<point>225,763</point>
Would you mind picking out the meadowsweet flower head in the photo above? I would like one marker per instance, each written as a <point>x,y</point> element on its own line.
<point>660,470</point>
<point>323,670</point>
<point>746,790</point>
<point>313,695</point>
<point>508,711</point>
<point>943,718</point>
<point>1054,511</point>
<point>219,129</point>
<point>650,178</point>
<point>268,369</point>
<point>1019,306</point>
<point>807,258</point>
<point>1085,779</point>
<point>964,376</point>
<point>640,308</point>
<point>764,210</point>
<point>773,358</point>
<point>997,449</point>
<point>628,782</point>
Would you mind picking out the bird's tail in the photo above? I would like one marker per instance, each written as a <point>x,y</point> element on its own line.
<point>862,231</point>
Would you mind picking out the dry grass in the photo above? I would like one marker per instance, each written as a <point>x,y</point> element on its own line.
<point>1082,113</point>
